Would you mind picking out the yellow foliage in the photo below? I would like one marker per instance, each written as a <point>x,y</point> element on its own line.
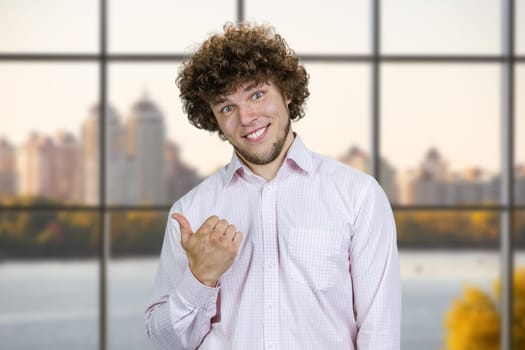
<point>473,322</point>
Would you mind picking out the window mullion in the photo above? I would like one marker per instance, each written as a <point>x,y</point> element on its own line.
<point>507,173</point>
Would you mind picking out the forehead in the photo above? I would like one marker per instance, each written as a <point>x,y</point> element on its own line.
<point>242,87</point>
<point>249,85</point>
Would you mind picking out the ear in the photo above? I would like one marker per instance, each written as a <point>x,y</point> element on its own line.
<point>287,100</point>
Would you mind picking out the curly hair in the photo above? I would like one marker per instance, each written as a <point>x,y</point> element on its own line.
<point>225,61</point>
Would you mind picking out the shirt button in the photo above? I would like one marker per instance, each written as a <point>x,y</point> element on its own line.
<point>270,345</point>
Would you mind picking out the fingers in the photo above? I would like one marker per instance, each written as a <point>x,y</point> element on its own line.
<point>226,231</point>
<point>212,225</point>
<point>230,231</point>
<point>237,238</point>
<point>217,226</point>
<point>220,227</point>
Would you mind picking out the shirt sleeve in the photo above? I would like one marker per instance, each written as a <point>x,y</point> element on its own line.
<point>375,272</point>
<point>179,313</point>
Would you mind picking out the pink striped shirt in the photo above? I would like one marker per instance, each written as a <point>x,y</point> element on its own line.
<point>317,269</point>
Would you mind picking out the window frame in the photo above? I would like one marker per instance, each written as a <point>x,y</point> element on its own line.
<point>507,207</point>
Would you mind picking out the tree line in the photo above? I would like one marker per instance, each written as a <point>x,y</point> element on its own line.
<point>76,234</point>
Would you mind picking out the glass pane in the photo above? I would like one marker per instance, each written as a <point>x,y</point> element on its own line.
<point>39,26</point>
<point>165,26</point>
<point>519,23</point>
<point>48,280</point>
<point>332,26</point>
<point>519,277</point>
<point>519,237</point>
<point>443,253</point>
<point>44,111</point>
<point>440,129</point>
<point>337,119</point>
<point>136,240</point>
<point>441,27</point>
<point>162,159</point>
<point>519,135</point>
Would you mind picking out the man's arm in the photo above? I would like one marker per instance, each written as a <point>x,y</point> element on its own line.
<point>375,273</point>
<point>184,293</point>
<point>178,316</point>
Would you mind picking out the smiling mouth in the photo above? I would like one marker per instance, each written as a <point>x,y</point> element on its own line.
<point>257,134</point>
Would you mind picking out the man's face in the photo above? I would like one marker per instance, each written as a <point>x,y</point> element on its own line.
<point>255,120</point>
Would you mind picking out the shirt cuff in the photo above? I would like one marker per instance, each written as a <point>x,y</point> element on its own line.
<point>192,291</point>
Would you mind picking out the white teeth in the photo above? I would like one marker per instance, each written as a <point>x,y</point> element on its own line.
<point>256,134</point>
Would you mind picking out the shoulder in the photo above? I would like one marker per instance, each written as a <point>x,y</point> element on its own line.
<point>342,173</point>
<point>353,186</point>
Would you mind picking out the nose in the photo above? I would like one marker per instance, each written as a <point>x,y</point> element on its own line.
<point>248,113</point>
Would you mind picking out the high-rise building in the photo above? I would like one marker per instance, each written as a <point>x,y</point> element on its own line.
<point>145,144</point>
<point>36,167</point>
<point>472,186</point>
<point>433,167</point>
<point>7,168</point>
<point>433,184</point>
<point>430,184</point>
<point>359,159</point>
<point>115,157</point>
<point>118,172</point>
<point>180,178</point>
<point>519,179</point>
<point>67,167</point>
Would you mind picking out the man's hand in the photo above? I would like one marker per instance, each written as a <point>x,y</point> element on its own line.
<point>211,250</point>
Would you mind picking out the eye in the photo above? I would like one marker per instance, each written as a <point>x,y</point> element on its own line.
<point>257,95</point>
<point>227,109</point>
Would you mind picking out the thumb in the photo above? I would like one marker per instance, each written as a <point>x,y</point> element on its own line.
<point>185,228</point>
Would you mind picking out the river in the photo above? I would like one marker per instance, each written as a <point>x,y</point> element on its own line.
<point>54,304</point>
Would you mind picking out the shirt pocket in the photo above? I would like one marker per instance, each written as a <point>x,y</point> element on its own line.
<point>314,257</point>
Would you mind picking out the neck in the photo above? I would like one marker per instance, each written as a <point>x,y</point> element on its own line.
<point>269,171</point>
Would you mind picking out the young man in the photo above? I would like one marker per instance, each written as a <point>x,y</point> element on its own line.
<point>282,248</point>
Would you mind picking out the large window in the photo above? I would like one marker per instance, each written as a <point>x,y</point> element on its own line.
<point>424,95</point>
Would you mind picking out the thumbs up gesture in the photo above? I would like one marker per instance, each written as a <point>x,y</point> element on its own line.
<point>211,250</point>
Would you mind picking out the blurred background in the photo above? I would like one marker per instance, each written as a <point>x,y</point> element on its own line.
<point>415,93</point>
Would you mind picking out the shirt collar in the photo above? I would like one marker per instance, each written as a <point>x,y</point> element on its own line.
<point>235,166</point>
<point>298,156</point>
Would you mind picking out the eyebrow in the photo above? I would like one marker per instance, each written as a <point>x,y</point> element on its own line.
<point>253,85</point>
<point>218,101</point>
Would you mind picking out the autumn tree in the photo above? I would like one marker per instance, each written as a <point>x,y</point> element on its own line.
<point>473,321</point>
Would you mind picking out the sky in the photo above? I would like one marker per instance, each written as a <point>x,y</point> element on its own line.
<point>452,107</point>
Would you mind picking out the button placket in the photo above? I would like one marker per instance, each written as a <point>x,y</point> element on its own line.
<point>271,271</point>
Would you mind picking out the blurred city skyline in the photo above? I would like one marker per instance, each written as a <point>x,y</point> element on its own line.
<point>144,165</point>
<point>462,121</point>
